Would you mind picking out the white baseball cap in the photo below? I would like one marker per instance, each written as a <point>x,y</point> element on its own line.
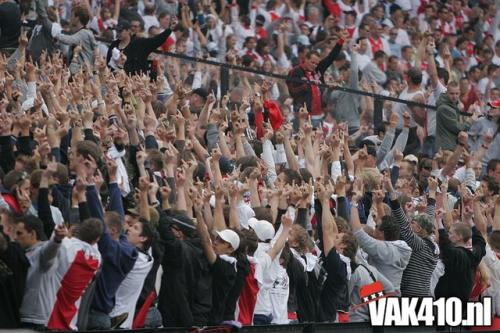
<point>231,237</point>
<point>263,229</point>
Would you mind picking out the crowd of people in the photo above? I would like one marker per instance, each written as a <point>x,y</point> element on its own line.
<point>141,190</point>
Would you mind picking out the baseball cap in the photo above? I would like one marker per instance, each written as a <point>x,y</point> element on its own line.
<point>201,92</point>
<point>304,40</point>
<point>231,237</point>
<point>263,229</point>
<point>183,222</point>
<point>494,104</point>
<point>411,158</point>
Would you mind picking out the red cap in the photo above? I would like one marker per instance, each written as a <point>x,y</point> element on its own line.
<point>494,104</point>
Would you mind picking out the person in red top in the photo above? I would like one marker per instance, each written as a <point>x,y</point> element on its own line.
<point>312,69</point>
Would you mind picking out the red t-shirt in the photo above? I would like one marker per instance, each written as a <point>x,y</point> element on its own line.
<point>248,298</point>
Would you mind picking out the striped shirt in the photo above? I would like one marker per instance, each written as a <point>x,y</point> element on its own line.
<point>417,275</point>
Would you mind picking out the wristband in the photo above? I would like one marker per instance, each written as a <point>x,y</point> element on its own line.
<point>484,146</point>
<point>340,41</point>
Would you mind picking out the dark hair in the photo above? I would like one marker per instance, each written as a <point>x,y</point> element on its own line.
<point>83,15</point>
<point>415,75</point>
<point>491,184</point>
<point>463,230</point>
<point>379,54</point>
<point>249,241</point>
<point>113,221</point>
<point>292,175</point>
<point>443,74</point>
<point>390,228</point>
<point>90,230</point>
<point>492,164</point>
<point>491,69</point>
<point>406,47</point>
<point>86,148</point>
<point>494,240</point>
<point>32,223</point>
<point>312,53</point>
<point>246,161</point>
<point>351,246</point>
<point>263,213</point>
<point>149,232</point>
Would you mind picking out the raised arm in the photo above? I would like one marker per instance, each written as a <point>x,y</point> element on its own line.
<point>286,224</point>
<point>202,229</point>
<point>329,227</point>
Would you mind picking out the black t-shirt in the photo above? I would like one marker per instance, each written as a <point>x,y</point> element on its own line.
<point>334,287</point>
<point>243,267</point>
<point>10,25</point>
<point>223,278</point>
<point>13,271</point>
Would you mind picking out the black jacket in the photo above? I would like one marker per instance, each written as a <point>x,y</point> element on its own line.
<point>302,92</point>
<point>459,262</point>
<point>138,50</point>
<point>185,298</point>
<point>13,270</point>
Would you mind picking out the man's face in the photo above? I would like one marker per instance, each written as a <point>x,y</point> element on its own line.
<point>25,238</point>
<point>136,27</point>
<point>476,74</point>
<point>211,23</point>
<point>365,32</point>
<point>454,94</point>
<point>134,233</point>
<point>407,54</point>
<point>393,64</point>
<point>124,34</point>
<point>251,44</point>
<point>495,174</point>
<point>165,21</point>
<point>393,34</point>
<point>130,220</point>
<point>311,63</point>
<point>379,13</point>
<point>181,47</point>
<point>222,247</point>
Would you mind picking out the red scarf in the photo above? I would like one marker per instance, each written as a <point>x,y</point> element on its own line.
<point>377,45</point>
<point>316,108</point>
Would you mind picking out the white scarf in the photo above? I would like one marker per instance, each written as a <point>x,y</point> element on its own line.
<point>347,262</point>
<point>121,172</point>
<point>229,259</point>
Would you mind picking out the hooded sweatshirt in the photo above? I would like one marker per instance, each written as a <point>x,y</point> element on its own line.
<point>346,105</point>
<point>447,123</point>
<point>389,257</point>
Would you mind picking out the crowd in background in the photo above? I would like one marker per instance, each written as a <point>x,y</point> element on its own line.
<point>142,190</point>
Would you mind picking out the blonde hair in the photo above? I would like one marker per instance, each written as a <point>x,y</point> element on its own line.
<point>371,178</point>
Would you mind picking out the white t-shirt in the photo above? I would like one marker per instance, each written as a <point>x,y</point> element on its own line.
<point>130,289</point>
<point>278,295</point>
<point>492,262</point>
<point>431,114</point>
<point>400,108</point>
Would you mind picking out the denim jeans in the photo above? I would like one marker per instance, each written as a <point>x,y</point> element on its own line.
<point>34,327</point>
<point>260,319</point>
<point>153,318</point>
<point>98,320</point>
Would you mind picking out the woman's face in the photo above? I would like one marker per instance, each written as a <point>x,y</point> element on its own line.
<point>267,66</point>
